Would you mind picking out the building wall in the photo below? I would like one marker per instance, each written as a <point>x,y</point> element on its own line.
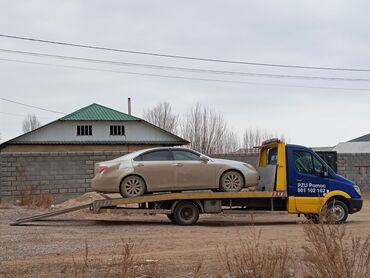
<point>76,148</point>
<point>67,131</point>
<point>355,167</point>
<point>60,174</point>
<point>68,173</point>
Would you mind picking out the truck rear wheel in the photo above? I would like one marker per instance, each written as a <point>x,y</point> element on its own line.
<point>170,217</point>
<point>337,212</point>
<point>186,213</point>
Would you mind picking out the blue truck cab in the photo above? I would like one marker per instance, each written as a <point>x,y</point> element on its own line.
<point>310,183</point>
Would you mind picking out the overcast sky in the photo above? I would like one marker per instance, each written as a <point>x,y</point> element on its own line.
<point>310,33</point>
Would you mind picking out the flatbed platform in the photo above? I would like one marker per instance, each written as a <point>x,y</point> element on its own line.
<point>167,203</point>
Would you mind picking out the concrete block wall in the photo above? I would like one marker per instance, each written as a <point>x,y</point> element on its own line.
<point>60,174</point>
<point>355,167</point>
<point>66,174</point>
<point>250,158</point>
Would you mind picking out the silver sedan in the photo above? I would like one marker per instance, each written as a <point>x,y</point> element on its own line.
<point>171,169</point>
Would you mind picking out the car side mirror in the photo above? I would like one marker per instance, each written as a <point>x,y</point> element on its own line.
<point>204,158</point>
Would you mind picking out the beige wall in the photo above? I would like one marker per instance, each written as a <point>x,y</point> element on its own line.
<point>75,148</point>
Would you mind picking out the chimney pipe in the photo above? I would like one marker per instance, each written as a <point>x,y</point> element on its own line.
<point>129,105</point>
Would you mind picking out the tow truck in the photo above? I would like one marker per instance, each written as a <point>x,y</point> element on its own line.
<point>293,180</point>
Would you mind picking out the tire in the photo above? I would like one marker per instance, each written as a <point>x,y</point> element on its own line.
<point>186,213</point>
<point>132,186</point>
<point>231,181</point>
<point>337,212</point>
<point>171,217</point>
<point>313,217</point>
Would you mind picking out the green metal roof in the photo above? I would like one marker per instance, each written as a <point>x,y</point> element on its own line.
<point>97,112</point>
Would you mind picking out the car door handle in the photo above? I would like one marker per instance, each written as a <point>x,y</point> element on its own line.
<point>299,180</point>
<point>140,164</point>
<point>178,164</point>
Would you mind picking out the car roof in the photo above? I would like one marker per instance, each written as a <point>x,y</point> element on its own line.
<point>165,148</point>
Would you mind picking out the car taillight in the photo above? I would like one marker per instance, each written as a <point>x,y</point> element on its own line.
<point>101,169</point>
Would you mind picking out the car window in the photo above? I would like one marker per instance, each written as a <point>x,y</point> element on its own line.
<point>303,162</point>
<point>318,166</point>
<point>185,155</point>
<point>162,155</point>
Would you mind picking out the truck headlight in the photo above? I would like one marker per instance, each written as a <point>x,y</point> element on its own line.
<point>357,188</point>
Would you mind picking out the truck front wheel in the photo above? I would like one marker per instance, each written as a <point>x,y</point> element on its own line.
<point>186,213</point>
<point>313,217</point>
<point>337,211</point>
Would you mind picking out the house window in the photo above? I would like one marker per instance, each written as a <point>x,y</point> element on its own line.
<point>84,130</point>
<point>117,130</point>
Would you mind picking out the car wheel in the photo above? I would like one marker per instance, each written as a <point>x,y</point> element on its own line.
<point>231,181</point>
<point>337,212</point>
<point>186,213</point>
<point>132,186</point>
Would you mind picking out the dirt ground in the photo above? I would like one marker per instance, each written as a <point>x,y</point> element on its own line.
<point>49,248</point>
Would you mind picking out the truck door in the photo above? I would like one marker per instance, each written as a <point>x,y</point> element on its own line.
<point>306,180</point>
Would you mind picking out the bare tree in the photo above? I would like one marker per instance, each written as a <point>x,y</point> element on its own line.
<point>207,131</point>
<point>30,123</point>
<point>162,116</point>
<point>255,137</point>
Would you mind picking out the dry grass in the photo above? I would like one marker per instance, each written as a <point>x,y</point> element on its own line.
<point>5,205</point>
<point>256,259</point>
<point>124,263</point>
<point>32,197</point>
<point>327,254</point>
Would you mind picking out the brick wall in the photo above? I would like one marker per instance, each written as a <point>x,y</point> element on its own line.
<point>60,174</point>
<point>69,173</point>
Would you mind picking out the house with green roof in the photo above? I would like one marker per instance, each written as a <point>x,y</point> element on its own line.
<point>93,128</point>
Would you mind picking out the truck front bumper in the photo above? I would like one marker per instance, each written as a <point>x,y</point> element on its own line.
<point>355,205</point>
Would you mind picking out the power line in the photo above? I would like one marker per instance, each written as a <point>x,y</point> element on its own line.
<point>194,78</point>
<point>199,70</point>
<point>32,106</point>
<point>19,115</point>
<point>182,57</point>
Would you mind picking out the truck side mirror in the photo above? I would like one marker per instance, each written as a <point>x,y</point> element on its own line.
<point>325,172</point>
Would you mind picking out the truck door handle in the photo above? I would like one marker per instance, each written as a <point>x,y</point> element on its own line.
<point>178,164</point>
<point>299,180</point>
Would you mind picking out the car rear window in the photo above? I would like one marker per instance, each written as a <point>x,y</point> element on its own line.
<point>161,155</point>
